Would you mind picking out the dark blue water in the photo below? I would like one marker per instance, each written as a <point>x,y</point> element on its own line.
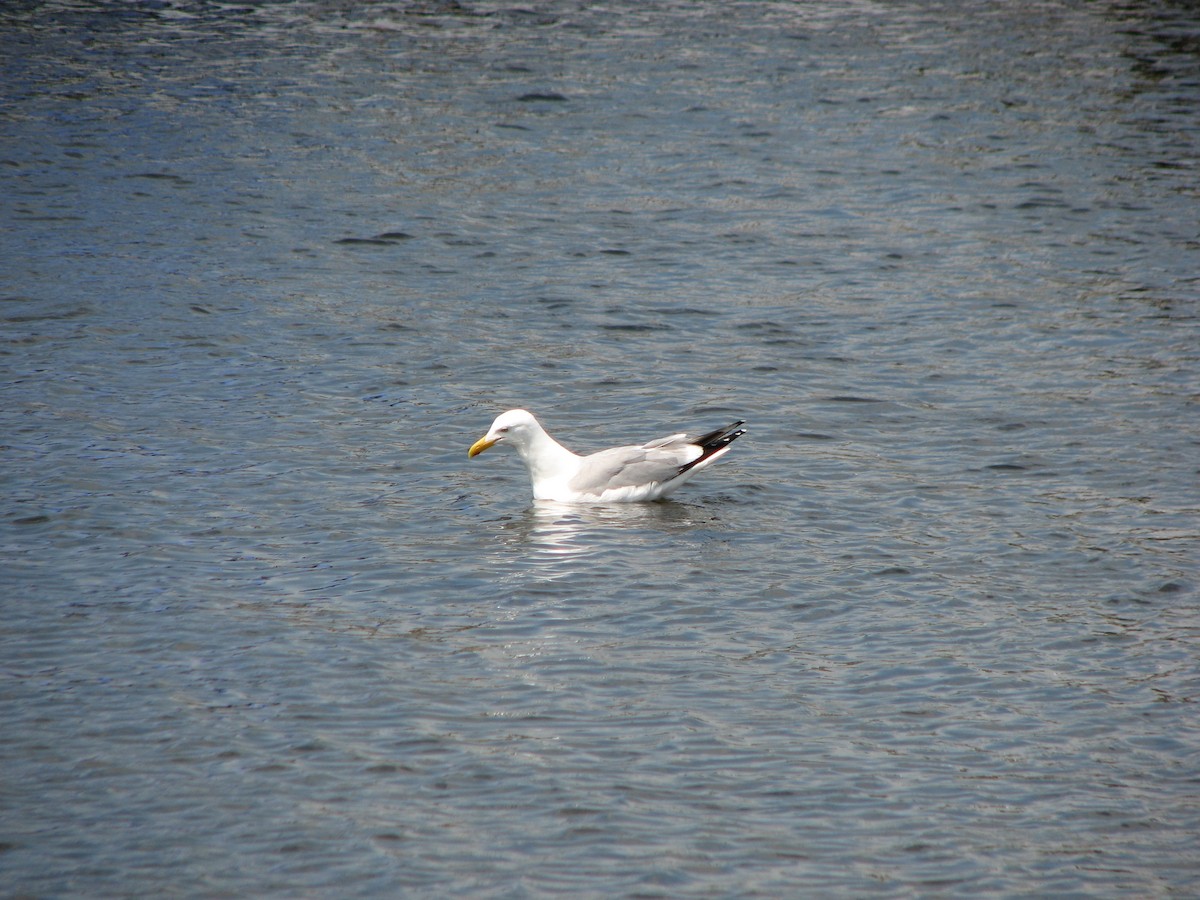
<point>929,629</point>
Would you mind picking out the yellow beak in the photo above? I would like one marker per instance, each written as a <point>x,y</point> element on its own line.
<point>479,446</point>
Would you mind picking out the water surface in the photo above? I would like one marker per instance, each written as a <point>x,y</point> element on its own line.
<point>929,629</point>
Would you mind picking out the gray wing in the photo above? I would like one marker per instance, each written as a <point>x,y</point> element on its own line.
<point>657,461</point>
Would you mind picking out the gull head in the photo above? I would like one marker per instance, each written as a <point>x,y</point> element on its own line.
<point>517,427</point>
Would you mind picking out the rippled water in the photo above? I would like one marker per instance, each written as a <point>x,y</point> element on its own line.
<point>930,629</point>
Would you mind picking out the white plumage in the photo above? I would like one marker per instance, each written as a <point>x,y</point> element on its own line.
<point>648,471</point>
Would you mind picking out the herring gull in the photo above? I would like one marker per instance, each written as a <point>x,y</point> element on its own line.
<point>648,471</point>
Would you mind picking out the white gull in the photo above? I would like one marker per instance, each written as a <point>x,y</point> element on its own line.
<point>648,471</point>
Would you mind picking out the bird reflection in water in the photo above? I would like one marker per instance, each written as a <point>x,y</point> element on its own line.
<point>556,538</point>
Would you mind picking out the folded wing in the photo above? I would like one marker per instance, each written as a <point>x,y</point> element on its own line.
<point>655,463</point>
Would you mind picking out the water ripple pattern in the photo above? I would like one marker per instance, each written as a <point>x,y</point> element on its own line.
<point>268,270</point>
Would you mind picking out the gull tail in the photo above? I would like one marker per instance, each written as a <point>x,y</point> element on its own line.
<point>714,442</point>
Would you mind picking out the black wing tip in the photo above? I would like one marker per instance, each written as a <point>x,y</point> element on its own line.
<point>722,437</point>
<point>732,436</point>
<point>713,442</point>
